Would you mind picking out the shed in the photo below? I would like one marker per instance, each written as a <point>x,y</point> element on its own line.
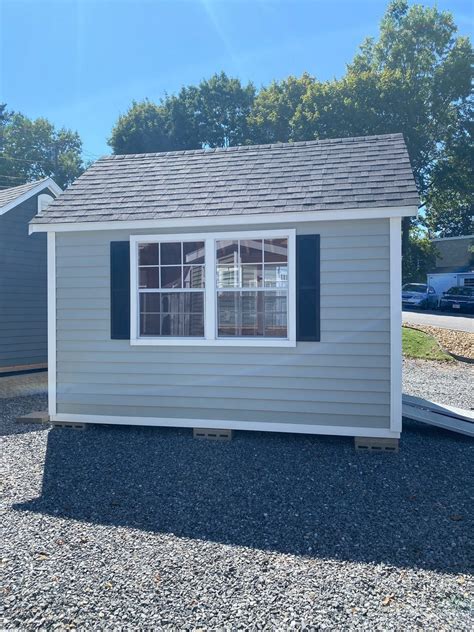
<point>23,329</point>
<point>251,287</point>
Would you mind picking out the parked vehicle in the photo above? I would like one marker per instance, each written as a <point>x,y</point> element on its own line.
<point>458,299</point>
<point>419,295</point>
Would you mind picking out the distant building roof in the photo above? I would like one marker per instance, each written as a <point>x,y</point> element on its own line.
<point>454,254</point>
<point>458,237</point>
<point>15,195</point>
<point>344,173</point>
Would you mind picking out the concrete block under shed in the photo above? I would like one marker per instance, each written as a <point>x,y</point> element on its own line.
<point>373,444</point>
<point>69,425</point>
<point>215,434</point>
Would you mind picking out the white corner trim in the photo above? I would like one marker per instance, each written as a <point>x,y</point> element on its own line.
<point>213,221</point>
<point>395,325</point>
<point>51,256</point>
<point>48,183</point>
<point>342,431</point>
<point>210,304</point>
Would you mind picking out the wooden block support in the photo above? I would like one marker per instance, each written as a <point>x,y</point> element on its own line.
<point>215,434</point>
<point>40,417</point>
<point>376,444</point>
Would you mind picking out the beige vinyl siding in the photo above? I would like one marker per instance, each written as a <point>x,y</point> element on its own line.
<point>344,380</point>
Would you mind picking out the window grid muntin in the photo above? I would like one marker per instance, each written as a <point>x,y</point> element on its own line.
<point>166,315</point>
<point>209,239</point>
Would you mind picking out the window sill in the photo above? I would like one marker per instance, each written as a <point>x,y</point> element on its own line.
<point>201,342</point>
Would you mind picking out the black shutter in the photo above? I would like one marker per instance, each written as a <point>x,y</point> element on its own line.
<point>308,326</point>
<point>120,290</point>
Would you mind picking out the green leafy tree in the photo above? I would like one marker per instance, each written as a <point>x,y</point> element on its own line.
<point>212,114</point>
<point>222,106</point>
<point>273,113</point>
<point>33,149</point>
<point>419,258</point>
<point>450,196</point>
<point>415,79</point>
<point>143,129</point>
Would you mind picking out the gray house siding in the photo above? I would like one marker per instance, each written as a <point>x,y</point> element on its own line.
<point>23,285</point>
<point>342,381</point>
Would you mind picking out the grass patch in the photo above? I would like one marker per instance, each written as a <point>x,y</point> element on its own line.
<point>417,344</point>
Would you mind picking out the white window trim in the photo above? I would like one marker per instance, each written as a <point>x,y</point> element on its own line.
<point>210,306</point>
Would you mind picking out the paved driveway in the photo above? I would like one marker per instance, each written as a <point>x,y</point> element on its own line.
<point>459,322</point>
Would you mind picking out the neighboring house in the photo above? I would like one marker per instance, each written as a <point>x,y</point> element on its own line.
<point>249,288</point>
<point>454,264</point>
<point>23,296</point>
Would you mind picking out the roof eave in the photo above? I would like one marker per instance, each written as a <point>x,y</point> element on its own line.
<point>227,220</point>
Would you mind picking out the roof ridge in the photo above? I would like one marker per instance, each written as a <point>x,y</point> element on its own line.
<point>263,146</point>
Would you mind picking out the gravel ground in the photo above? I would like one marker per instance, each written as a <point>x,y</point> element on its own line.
<point>450,384</point>
<point>146,528</point>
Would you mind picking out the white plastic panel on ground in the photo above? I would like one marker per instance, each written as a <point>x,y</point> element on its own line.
<point>447,417</point>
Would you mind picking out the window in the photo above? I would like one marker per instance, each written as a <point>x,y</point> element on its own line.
<point>219,289</point>
<point>171,289</point>
<point>252,287</point>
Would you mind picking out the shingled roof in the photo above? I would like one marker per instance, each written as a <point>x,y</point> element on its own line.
<point>344,173</point>
<point>13,196</point>
<point>12,193</point>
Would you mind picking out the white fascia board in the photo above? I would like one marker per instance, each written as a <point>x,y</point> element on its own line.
<point>48,183</point>
<point>216,221</point>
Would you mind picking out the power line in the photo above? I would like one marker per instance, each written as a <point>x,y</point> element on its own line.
<point>12,177</point>
<point>30,162</point>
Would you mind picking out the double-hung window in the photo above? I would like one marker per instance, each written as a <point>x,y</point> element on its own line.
<point>252,287</point>
<point>171,289</point>
<point>219,289</point>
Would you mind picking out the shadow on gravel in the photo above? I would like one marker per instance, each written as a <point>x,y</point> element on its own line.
<point>303,495</point>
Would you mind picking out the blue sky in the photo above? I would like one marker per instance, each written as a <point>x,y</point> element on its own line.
<point>80,63</point>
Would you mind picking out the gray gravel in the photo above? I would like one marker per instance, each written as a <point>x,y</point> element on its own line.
<point>451,384</point>
<point>143,528</point>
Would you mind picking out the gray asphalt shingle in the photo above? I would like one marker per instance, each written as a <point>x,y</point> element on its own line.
<point>336,174</point>
<point>12,193</point>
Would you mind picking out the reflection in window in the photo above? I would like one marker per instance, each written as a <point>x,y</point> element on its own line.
<point>171,289</point>
<point>252,287</point>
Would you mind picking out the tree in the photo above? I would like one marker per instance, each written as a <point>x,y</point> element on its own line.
<point>34,149</point>
<point>450,196</point>
<point>419,258</point>
<point>221,107</point>
<point>143,129</point>
<point>272,117</point>
<point>212,114</point>
<point>415,79</point>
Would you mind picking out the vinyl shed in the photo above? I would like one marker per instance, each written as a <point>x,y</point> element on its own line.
<point>23,330</point>
<point>253,287</point>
